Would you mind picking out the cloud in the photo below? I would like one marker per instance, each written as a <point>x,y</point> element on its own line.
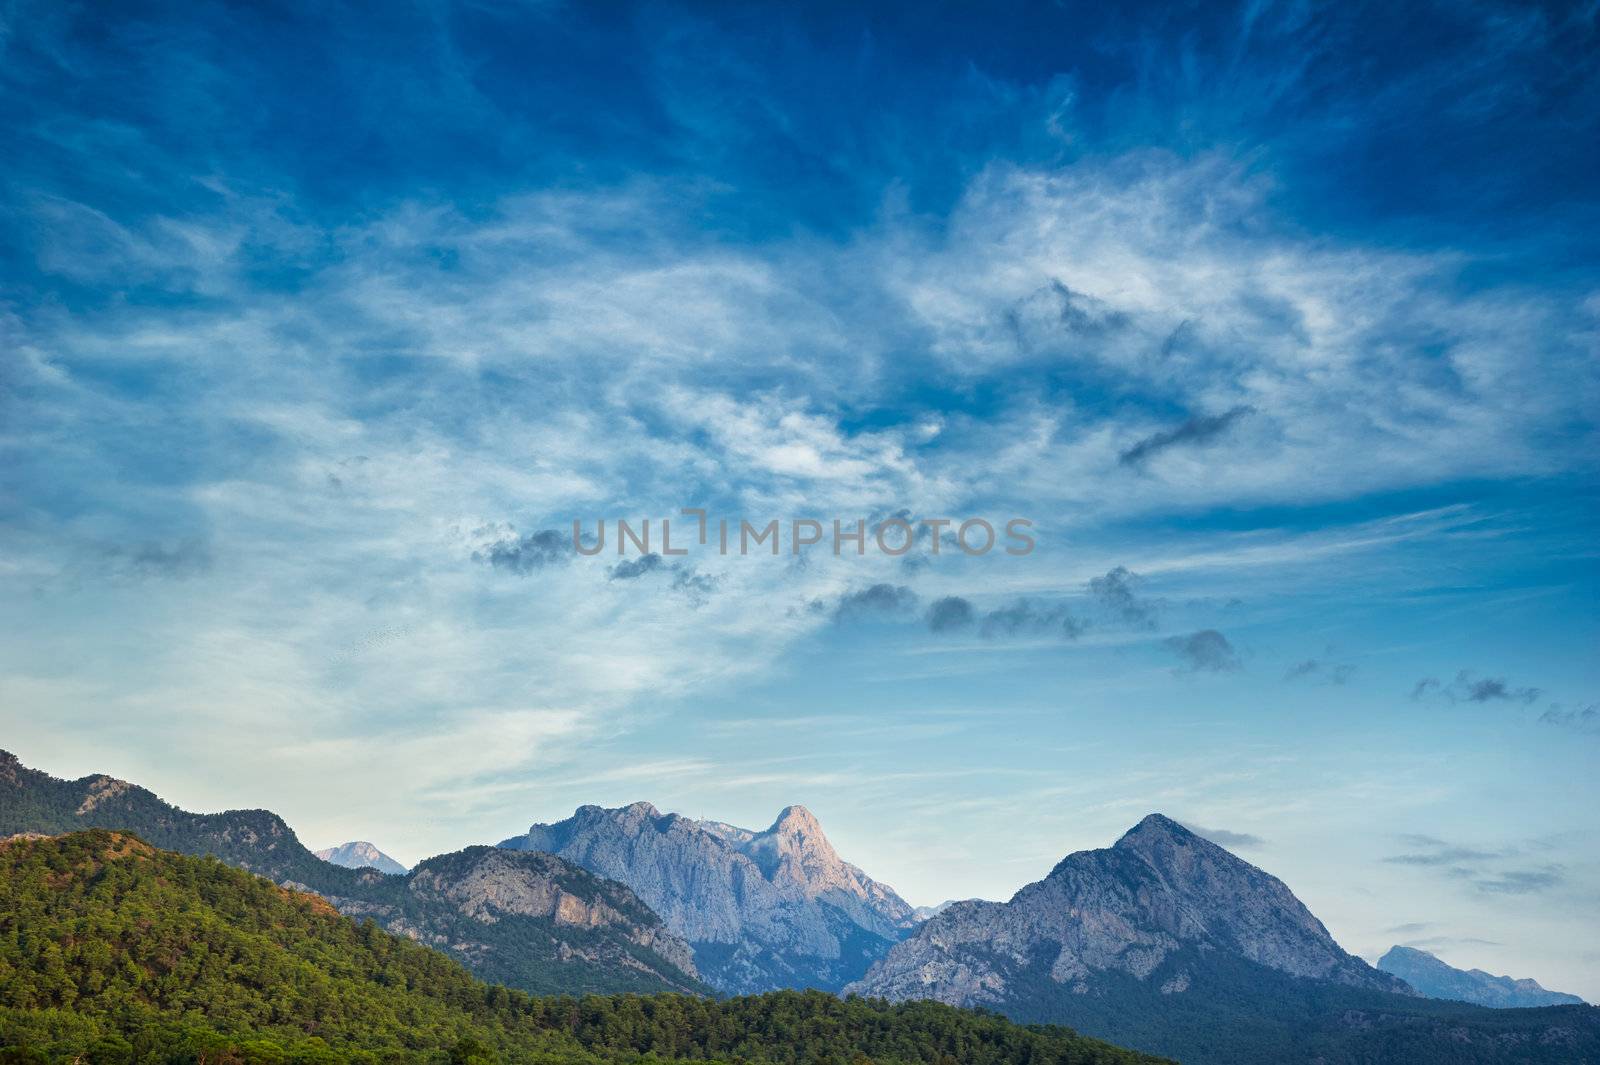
<point>633,568</point>
<point>1018,617</point>
<point>1224,838</point>
<point>1408,929</point>
<point>174,560</point>
<point>876,601</point>
<point>1468,688</point>
<point>1491,689</point>
<point>1437,942</point>
<point>1485,871</point>
<point>697,586</point>
<point>1026,616</point>
<point>1197,431</point>
<point>1443,856</point>
<point>527,554</point>
<point>1582,719</point>
<point>1321,672</point>
<point>1205,651</point>
<point>1116,594</point>
<point>949,614</point>
<point>1520,881</point>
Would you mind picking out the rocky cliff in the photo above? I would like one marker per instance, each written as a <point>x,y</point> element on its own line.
<point>768,909</point>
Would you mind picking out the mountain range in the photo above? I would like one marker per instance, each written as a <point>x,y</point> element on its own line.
<point>532,921</point>
<point>762,910</point>
<point>361,855</point>
<point>1434,978</point>
<point>112,951</point>
<point>1163,942</point>
<point>1166,942</point>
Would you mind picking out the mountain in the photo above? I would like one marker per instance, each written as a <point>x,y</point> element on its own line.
<point>361,855</point>
<point>114,951</point>
<point>763,910</point>
<point>1167,942</point>
<point>537,923</point>
<point>922,913</point>
<point>1434,978</point>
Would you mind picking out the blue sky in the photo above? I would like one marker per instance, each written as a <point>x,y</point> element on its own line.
<point>1279,321</point>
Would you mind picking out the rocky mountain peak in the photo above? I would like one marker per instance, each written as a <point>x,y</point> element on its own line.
<point>1145,907</point>
<point>1155,826</point>
<point>796,849</point>
<point>795,821</point>
<point>794,913</point>
<point>360,854</point>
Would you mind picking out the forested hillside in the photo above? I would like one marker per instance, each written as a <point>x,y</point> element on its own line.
<point>529,921</point>
<point>113,951</point>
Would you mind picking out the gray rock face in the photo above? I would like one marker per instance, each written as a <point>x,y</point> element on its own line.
<point>517,908</point>
<point>361,855</point>
<point>764,910</point>
<point>1160,890</point>
<point>1436,979</point>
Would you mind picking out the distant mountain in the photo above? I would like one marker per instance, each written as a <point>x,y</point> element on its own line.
<point>1434,978</point>
<point>763,910</point>
<point>361,855</point>
<point>114,951</point>
<point>1168,943</point>
<point>537,923</point>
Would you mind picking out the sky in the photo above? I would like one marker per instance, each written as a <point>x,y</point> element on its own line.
<point>320,326</point>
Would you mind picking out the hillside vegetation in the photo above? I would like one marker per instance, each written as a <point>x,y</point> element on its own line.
<point>114,951</point>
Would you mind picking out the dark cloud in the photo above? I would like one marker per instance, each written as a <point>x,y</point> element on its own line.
<point>526,554</point>
<point>1468,688</point>
<point>1117,594</point>
<point>1490,689</point>
<point>1020,617</point>
<point>1320,672</point>
<point>632,569</point>
<point>1585,719</point>
<point>1197,431</point>
<point>1223,838</point>
<point>880,600</point>
<point>1042,319</point>
<point>1206,651</point>
<point>950,613</point>
<point>1080,312</point>
<point>697,586</point>
<point>1025,616</point>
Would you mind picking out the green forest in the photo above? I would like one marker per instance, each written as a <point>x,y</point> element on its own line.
<point>112,951</point>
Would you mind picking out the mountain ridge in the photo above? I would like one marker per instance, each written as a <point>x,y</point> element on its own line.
<point>1436,978</point>
<point>763,909</point>
<point>112,950</point>
<point>630,950</point>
